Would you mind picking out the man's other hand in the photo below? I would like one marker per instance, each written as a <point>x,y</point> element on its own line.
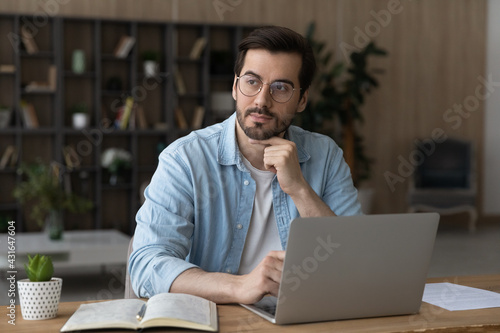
<point>264,279</point>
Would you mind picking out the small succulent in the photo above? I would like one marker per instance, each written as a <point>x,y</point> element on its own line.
<point>39,268</point>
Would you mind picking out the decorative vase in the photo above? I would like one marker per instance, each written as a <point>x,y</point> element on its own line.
<point>78,62</point>
<point>39,300</point>
<point>54,226</point>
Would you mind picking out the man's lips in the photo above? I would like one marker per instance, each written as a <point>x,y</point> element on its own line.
<point>259,118</point>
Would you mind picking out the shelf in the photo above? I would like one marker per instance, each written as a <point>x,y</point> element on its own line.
<point>187,60</point>
<point>162,75</point>
<point>114,93</point>
<point>39,131</point>
<point>112,57</point>
<point>86,75</point>
<point>37,55</point>
<point>38,92</point>
<point>9,130</point>
<point>156,99</point>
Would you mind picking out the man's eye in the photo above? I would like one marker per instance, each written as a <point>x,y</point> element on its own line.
<point>252,82</point>
<point>282,87</point>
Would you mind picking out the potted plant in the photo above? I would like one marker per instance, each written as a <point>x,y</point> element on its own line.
<point>43,188</point>
<point>80,116</point>
<point>337,97</point>
<point>150,61</point>
<point>117,162</point>
<point>39,294</point>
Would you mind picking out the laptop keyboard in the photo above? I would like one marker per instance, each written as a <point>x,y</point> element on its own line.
<point>267,304</point>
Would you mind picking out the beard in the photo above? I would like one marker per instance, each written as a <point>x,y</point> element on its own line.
<point>258,130</point>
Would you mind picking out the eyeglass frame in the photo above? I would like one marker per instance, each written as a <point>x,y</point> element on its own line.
<point>262,85</point>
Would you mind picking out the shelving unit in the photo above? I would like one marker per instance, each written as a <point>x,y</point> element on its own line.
<point>57,38</point>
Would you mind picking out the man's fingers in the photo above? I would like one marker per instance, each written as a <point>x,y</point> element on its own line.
<point>280,255</point>
<point>269,142</point>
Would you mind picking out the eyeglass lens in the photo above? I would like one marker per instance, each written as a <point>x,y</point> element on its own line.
<point>280,91</point>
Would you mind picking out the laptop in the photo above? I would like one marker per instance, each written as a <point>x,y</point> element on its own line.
<point>348,267</point>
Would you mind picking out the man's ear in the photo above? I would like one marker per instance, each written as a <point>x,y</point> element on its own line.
<point>235,84</point>
<point>303,101</point>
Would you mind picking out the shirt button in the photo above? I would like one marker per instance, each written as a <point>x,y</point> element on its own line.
<point>228,271</point>
<point>246,182</point>
<point>239,226</point>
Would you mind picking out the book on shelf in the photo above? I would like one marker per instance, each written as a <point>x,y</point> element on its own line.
<point>197,49</point>
<point>124,46</point>
<point>28,115</point>
<point>127,111</point>
<point>179,82</point>
<point>161,310</point>
<point>141,121</point>
<point>28,40</point>
<point>7,68</point>
<point>197,121</point>
<point>9,155</point>
<point>181,119</point>
<point>52,77</point>
<point>44,86</point>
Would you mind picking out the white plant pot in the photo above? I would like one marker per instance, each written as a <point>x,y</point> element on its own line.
<point>150,68</point>
<point>39,300</point>
<point>80,120</point>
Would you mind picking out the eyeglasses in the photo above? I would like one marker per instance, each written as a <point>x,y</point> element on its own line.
<point>280,91</point>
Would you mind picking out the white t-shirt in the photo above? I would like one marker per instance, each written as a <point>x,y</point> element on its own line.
<point>262,235</point>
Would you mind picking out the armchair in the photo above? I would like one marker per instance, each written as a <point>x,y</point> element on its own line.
<point>445,182</point>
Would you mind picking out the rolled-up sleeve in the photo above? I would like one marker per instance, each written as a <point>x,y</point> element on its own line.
<point>340,193</point>
<point>164,228</point>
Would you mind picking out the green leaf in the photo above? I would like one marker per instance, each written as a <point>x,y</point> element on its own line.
<point>39,268</point>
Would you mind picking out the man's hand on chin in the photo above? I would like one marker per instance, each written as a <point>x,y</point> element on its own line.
<point>280,157</point>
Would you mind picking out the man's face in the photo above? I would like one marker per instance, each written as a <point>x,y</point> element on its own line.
<point>260,117</point>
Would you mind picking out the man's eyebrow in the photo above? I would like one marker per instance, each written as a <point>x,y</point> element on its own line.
<point>249,72</point>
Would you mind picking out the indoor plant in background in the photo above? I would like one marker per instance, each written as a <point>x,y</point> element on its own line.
<point>150,64</point>
<point>80,116</point>
<point>338,92</point>
<point>117,162</point>
<point>43,188</point>
<point>39,294</point>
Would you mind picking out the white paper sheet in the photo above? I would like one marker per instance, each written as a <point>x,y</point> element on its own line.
<point>454,297</point>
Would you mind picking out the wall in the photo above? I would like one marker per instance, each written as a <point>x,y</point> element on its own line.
<point>436,54</point>
<point>492,115</point>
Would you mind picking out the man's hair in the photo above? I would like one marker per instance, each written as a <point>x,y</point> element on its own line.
<point>279,39</point>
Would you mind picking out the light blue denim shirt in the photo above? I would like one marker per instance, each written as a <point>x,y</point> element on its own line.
<point>199,203</point>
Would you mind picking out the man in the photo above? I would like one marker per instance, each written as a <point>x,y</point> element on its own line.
<point>217,211</point>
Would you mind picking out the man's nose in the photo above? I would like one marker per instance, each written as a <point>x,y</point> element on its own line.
<point>263,98</point>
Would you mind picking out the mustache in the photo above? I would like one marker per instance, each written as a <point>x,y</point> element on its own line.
<point>263,111</point>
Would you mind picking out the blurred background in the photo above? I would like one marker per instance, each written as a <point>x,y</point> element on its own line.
<point>438,81</point>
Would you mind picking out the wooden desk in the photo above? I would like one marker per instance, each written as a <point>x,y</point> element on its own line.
<point>234,318</point>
